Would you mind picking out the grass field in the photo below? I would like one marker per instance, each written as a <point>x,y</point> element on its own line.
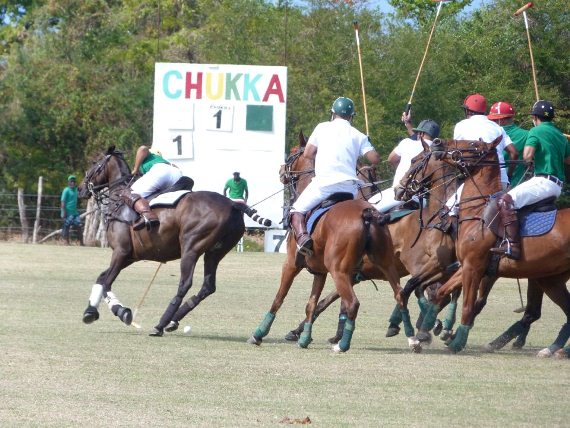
<point>57,372</point>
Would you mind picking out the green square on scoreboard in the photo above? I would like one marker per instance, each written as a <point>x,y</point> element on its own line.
<point>259,118</point>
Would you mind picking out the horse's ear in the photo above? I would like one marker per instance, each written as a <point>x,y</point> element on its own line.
<point>302,139</point>
<point>496,141</point>
<point>111,150</point>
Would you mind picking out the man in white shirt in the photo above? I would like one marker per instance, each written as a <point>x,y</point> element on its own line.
<point>335,147</point>
<point>401,159</point>
<point>476,126</point>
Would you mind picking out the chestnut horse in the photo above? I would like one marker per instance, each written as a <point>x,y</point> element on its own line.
<point>342,237</point>
<point>423,250</point>
<point>201,223</point>
<point>545,259</point>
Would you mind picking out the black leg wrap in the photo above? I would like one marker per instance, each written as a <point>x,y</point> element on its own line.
<point>90,315</point>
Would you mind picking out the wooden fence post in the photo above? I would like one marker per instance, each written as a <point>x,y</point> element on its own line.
<point>23,218</point>
<point>38,210</point>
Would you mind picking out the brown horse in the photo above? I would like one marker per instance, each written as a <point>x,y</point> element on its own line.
<point>201,223</point>
<point>546,258</point>
<point>423,250</point>
<point>343,236</point>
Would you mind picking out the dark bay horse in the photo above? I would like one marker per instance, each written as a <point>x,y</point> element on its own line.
<point>424,249</point>
<point>201,223</point>
<point>343,236</point>
<point>545,259</point>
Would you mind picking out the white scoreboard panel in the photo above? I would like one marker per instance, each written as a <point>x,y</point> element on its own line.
<point>212,120</point>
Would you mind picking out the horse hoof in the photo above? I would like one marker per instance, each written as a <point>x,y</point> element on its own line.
<point>561,354</point>
<point>336,349</point>
<point>545,353</point>
<point>90,315</point>
<point>415,345</point>
<point>125,315</point>
<point>292,336</point>
<point>437,327</point>
<point>392,331</point>
<point>254,341</point>
<point>333,340</point>
<point>172,326</point>
<point>445,334</point>
<point>156,332</point>
<point>489,348</point>
<point>424,336</point>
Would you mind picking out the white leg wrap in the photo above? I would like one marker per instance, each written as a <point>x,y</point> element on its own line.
<point>112,300</point>
<point>96,295</point>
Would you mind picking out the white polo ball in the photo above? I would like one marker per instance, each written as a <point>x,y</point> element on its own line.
<point>187,329</point>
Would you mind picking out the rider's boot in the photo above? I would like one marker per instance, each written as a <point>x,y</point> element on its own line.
<point>511,246</point>
<point>304,241</point>
<point>147,218</point>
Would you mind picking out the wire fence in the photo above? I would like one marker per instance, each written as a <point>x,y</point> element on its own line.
<point>11,224</point>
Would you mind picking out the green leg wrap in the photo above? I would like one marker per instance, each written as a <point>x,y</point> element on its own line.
<point>305,337</point>
<point>562,338</point>
<point>461,335</point>
<point>430,316</point>
<point>423,304</point>
<point>264,326</point>
<point>408,328</point>
<point>344,343</point>
<point>396,317</point>
<point>449,320</point>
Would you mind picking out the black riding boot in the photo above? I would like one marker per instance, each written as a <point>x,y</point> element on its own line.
<point>511,246</point>
<point>304,241</point>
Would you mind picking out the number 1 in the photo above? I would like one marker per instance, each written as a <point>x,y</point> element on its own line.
<point>178,140</point>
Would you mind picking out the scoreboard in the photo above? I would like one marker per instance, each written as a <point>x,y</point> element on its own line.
<point>213,120</point>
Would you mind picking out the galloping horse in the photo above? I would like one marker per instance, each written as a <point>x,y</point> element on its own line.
<point>341,238</point>
<point>422,249</point>
<point>201,223</point>
<point>545,259</point>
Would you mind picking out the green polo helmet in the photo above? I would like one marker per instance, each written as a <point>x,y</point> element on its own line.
<point>428,126</point>
<point>343,107</point>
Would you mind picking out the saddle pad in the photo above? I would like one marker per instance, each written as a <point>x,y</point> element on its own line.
<point>537,223</point>
<point>314,217</point>
<point>399,214</point>
<point>167,199</point>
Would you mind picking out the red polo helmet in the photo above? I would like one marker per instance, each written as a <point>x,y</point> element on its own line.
<point>501,110</point>
<point>476,103</point>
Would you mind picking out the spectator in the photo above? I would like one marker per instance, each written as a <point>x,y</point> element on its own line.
<point>238,189</point>
<point>69,212</point>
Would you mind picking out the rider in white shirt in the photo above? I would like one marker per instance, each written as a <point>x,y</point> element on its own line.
<point>476,126</point>
<point>401,158</point>
<point>335,147</point>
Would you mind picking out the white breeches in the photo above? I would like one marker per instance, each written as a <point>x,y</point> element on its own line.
<point>160,177</point>
<point>385,201</point>
<point>315,194</point>
<point>534,190</point>
<point>452,203</point>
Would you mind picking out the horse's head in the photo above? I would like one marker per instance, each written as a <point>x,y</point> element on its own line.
<point>414,180</point>
<point>297,169</point>
<point>109,168</point>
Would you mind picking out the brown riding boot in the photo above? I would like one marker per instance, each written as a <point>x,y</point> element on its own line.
<point>147,218</point>
<point>304,241</point>
<point>511,246</point>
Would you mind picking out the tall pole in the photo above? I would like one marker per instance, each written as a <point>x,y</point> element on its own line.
<point>517,13</point>
<point>409,105</point>
<point>361,75</point>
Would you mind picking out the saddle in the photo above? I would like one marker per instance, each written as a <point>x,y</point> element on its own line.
<point>183,183</point>
<point>316,213</point>
<point>534,219</point>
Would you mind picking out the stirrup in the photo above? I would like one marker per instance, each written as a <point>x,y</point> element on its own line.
<point>144,222</point>
<point>306,248</point>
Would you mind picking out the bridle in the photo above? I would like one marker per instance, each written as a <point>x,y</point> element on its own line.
<point>291,177</point>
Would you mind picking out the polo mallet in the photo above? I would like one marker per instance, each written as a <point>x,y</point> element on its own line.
<point>517,13</point>
<point>141,300</point>
<point>409,105</point>
<point>523,307</point>
<point>361,75</point>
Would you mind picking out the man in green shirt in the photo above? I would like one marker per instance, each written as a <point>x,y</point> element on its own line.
<point>69,212</point>
<point>549,149</point>
<point>502,113</point>
<point>237,187</point>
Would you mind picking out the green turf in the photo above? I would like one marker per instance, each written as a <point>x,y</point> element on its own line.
<point>57,372</point>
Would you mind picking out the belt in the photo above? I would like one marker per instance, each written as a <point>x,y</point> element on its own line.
<point>552,178</point>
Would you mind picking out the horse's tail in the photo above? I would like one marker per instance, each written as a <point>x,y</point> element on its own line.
<point>252,213</point>
<point>373,220</point>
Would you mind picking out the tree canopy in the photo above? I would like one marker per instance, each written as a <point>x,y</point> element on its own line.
<point>76,76</point>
